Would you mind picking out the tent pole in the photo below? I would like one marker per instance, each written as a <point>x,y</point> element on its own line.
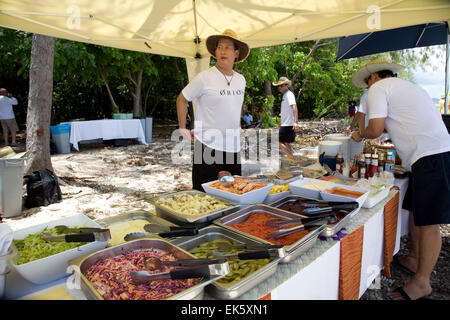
<point>447,52</point>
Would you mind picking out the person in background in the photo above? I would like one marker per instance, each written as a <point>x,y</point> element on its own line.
<point>220,96</point>
<point>418,132</point>
<point>7,118</point>
<point>351,107</point>
<point>289,116</point>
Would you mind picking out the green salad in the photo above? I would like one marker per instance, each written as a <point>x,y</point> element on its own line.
<point>33,247</point>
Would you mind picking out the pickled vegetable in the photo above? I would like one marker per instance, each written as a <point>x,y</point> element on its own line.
<point>33,247</point>
<point>239,269</point>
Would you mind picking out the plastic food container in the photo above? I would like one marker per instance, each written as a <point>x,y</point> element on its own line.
<point>195,292</point>
<point>55,266</point>
<point>371,201</point>
<point>334,197</point>
<point>255,196</point>
<point>309,188</point>
<point>276,196</point>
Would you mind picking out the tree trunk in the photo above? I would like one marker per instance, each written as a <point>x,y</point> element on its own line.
<point>111,98</point>
<point>137,93</point>
<point>267,88</point>
<point>40,104</point>
<point>315,46</point>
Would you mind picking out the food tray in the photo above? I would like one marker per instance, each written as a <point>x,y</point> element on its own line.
<point>301,162</point>
<point>330,229</point>
<point>293,250</point>
<point>55,266</point>
<point>334,197</point>
<point>254,196</point>
<point>140,214</point>
<point>194,293</point>
<point>181,219</point>
<point>228,290</point>
<point>297,188</point>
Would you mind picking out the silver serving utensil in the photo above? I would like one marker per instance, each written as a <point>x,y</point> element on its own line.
<point>157,228</point>
<point>66,229</point>
<point>227,247</point>
<point>154,263</point>
<point>279,223</point>
<point>285,232</point>
<point>204,271</point>
<point>104,235</point>
<point>262,254</point>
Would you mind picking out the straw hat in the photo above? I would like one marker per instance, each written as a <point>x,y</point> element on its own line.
<point>372,67</point>
<point>282,80</point>
<point>211,44</point>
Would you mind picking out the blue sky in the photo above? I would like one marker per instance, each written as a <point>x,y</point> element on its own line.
<point>433,81</point>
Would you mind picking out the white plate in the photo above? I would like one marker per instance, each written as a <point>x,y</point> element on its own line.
<point>56,266</point>
<point>297,188</point>
<point>371,201</point>
<point>334,197</point>
<point>255,196</point>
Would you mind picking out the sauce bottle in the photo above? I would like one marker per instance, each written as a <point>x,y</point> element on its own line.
<point>339,162</point>
<point>362,167</point>
<point>354,169</point>
<point>381,162</point>
<point>368,158</point>
<point>390,164</point>
<point>374,166</point>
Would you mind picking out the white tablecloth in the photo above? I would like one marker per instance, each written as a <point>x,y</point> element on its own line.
<point>106,129</point>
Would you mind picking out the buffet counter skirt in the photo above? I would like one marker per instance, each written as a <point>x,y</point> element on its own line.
<point>326,271</point>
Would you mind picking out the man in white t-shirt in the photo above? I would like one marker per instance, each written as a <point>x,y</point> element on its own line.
<point>289,116</point>
<point>7,118</point>
<point>220,95</point>
<point>422,141</point>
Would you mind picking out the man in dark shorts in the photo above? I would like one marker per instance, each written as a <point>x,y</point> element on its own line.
<point>220,95</point>
<point>422,141</point>
<point>289,116</point>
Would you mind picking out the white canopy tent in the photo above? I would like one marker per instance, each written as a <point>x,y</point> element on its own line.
<point>180,27</point>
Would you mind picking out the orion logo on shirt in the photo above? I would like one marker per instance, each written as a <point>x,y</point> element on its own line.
<point>225,92</point>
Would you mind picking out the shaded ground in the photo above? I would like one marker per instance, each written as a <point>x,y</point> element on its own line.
<point>104,181</point>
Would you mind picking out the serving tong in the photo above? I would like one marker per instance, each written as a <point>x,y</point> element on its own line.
<point>272,253</point>
<point>227,247</point>
<point>205,270</point>
<point>101,235</point>
<point>162,231</point>
<point>285,232</point>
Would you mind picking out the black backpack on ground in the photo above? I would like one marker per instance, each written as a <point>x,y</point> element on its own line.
<point>42,189</point>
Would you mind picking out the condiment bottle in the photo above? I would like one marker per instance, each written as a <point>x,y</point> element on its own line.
<point>362,167</point>
<point>381,162</point>
<point>339,162</point>
<point>390,164</point>
<point>368,158</point>
<point>354,169</point>
<point>374,166</point>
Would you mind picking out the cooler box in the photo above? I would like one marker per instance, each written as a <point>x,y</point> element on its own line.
<point>61,137</point>
<point>11,181</point>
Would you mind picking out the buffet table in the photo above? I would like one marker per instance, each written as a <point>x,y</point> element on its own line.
<point>316,274</point>
<point>106,129</point>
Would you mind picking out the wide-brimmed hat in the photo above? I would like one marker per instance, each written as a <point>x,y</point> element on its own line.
<point>211,44</point>
<point>362,74</point>
<point>282,80</point>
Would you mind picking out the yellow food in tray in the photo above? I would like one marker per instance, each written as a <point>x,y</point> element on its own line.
<point>239,269</point>
<point>120,229</point>
<point>188,204</point>
<point>278,188</point>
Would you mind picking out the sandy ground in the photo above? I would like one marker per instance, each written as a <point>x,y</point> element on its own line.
<point>104,181</point>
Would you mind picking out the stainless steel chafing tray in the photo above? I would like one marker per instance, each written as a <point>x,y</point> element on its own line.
<point>230,290</point>
<point>293,250</point>
<point>195,292</point>
<point>329,229</point>
<point>181,219</point>
<point>134,215</point>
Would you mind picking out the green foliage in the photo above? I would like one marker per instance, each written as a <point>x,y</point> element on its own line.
<point>322,88</point>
